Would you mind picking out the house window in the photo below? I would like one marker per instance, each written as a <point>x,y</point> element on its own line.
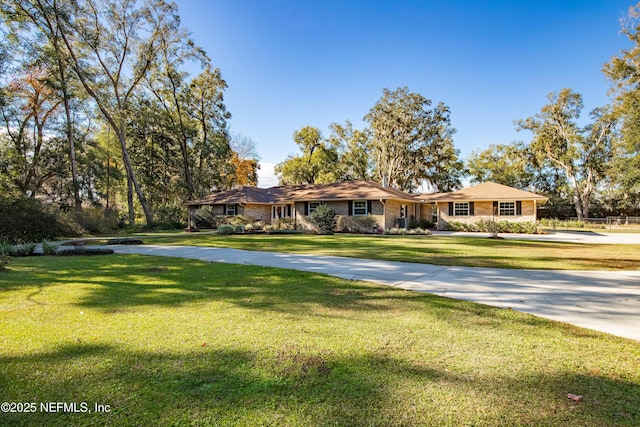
<point>404,211</point>
<point>507,209</point>
<point>461,209</point>
<point>313,206</point>
<point>230,210</point>
<point>359,208</point>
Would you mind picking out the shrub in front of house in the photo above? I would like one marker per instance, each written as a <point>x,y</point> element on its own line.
<point>421,223</point>
<point>236,219</point>
<point>488,226</point>
<point>461,226</point>
<point>283,224</point>
<point>404,232</point>
<point>419,231</point>
<point>325,218</point>
<point>356,224</point>
<point>226,229</point>
<point>204,217</point>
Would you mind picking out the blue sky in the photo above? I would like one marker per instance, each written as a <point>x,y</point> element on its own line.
<point>290,64</point>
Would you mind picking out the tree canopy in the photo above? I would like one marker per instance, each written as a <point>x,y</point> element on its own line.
<point>582,153</point>
<point>125,61</point>
<point>412,142</point>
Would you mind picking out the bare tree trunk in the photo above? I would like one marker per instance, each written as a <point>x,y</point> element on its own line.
<point>132,181</point>
<point>70,136</point>
<point>577,202</point>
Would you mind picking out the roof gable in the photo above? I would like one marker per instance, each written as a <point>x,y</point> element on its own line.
<point>489,191</point>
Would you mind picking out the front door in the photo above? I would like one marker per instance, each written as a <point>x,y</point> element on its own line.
<point>281,211</point>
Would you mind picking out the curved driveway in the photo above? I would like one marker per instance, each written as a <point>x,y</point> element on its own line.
<point>607,301</point>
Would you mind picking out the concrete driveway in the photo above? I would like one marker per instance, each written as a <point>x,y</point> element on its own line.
<point>604,301</point>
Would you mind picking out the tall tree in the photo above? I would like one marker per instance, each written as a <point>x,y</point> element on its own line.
<point>505,164</point>
<point>245,158</point>
<point>624,72</point>
<point>210,152</point>
<point>31,107</point>
<point>170,86</point>
<point>583,154</point>
<point>34,22</point>
<point>353,147</point>
<point>412,142</point>
<point>517,166</point>
<point>316,164</point>
<point>112,45</point>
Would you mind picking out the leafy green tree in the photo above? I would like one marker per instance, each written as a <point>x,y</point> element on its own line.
<point>31,106</point>
<point>33,23</point>
<point>155,152</point>
<point>582,153</point>
<point>325,218</point>
<point>624,72</point>
<point>412,142</point>
<point>517,166</point>
<point>111,47</point>
<point>353,147</point>
<point>316,165</point>
<point>170,87</point>
<point>511,165</point>
<point>210,152</point>
<point>103,177</point>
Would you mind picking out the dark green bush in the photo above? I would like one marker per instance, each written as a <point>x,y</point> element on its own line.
<point>171,216</point>
<point>30,220</point>
<point>204,217</point>
<point>357,224</point>
<point>488,226</point>
<point>85,251</point>
<point>324,217</point>
<point>226,229</point>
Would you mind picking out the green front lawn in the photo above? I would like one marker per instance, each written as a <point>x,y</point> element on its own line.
<point>438,250</point>
<point>167,341</point>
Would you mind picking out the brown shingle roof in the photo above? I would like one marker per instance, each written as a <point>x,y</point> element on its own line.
<point>429,197</point>
<point>489,191</point>
<point>349,190</point>
<point>240,195</point>
<point>360,190</point>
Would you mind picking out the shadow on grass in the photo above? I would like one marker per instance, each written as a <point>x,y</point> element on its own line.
<point>299,386</point>
<point>121,282</point>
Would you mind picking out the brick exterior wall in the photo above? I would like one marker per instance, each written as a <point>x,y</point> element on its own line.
<point>484,211</point>
<point>342,209</point>
<point>426,212</point>
<point>261,213</point>
<point>392,213</point>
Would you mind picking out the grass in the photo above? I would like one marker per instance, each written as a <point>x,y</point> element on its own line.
<point>167,341</point>
<point>438,250</point>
